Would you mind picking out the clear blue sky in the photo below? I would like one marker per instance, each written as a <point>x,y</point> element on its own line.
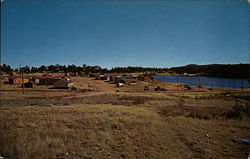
<point>124,33</point>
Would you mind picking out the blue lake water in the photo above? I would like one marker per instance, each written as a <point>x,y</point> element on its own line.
<point>206,82</point>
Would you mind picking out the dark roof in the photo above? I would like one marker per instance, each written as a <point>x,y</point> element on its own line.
<point>110,74</point>
<point>127,78</point>
<point>94,73</point>
<point>66,80</point>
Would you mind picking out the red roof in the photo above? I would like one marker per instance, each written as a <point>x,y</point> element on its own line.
<point>51,76</point>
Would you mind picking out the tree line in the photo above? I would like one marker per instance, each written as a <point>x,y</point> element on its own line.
<point>52,68</point>
<point>215,70</point>
<point>131,69</point>
<point>212,70</point>
<point>80,69</point>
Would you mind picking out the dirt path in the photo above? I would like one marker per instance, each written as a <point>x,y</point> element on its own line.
<point>91,83</point>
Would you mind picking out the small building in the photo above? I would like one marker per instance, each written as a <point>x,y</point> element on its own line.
<point>5,79</point>
<point>35,80</point>
<point>135,76</point>
<point>14,73</point>
<point>63,83</point>
<point>126,80</point>
<point>93,74</point>
<point>46,81</point>
<point>116,79</point>
<point>17,80</point>
<point>147,78</point>
<point>102,77</point>
<point>110,76</point>
<point>72,74</point>
<point>97,77</point>
<point>28,84</point>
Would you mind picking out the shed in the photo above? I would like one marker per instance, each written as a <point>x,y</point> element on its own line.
<point>5,79</point>
<point>17,80</point>
<point>63,83</point>
<point>147,78</point>
<point>116,78</point>
<point>93,74</point>
<point>110,76</point>
<point>28,84</point>
<point>35,80</point>
<point>102,77</point>
<point>72,74</point>
<point>46,81</point>
<point>126,80</point>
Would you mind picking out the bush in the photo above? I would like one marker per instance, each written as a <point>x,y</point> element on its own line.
<point>138,100</point>
<point>73,88</point>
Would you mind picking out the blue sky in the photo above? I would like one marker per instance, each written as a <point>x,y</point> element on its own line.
<point>124,33</point>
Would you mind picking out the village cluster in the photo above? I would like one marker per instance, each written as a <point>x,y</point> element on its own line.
<point>63,81</point>
<point>122,79</point>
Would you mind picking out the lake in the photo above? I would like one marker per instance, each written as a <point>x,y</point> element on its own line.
<point>206,82</point>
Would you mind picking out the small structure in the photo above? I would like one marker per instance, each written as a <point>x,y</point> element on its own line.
<point>146,88</point>
<point>126,80</point>
<point>119,84</point>
<point>102,77</point>
<point>158,88</point>
<point>147,78</point>
<point>72,74</point>
<point>115,79</point>
<point>110,76</point>
<point>5,79</point>
<point>93,74</point>
<point>34,79</point>
<point>63,83</point>
<point>49,79</point>
<point>28,84</point>
<point>46,81</point>
<point>135,76</point>
<point>17,80</point>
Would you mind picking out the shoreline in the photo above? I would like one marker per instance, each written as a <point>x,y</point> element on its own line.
<point>197,75</point>
<point>215,81</point>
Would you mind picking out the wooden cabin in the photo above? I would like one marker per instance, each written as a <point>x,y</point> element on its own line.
<point>126,80</point>
<point>147,78</point>
<point>63,83</point>
<point>17,80</point>
<point>46,81</point>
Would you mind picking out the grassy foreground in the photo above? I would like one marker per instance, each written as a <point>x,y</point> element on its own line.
<point>114,131</point>
<point>103,124</point>
<point>84,131</point>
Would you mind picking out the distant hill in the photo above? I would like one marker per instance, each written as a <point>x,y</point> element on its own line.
<point>216,70</point>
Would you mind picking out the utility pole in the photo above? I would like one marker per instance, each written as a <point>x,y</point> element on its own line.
<point>21,73</point>
<point>22,83</point>
<point>165,90</point>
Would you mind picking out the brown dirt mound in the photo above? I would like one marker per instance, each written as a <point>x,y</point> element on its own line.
<point>237,112</point>
<point>198,112</point>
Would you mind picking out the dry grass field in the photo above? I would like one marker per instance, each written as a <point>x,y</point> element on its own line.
<point>100,121</point>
